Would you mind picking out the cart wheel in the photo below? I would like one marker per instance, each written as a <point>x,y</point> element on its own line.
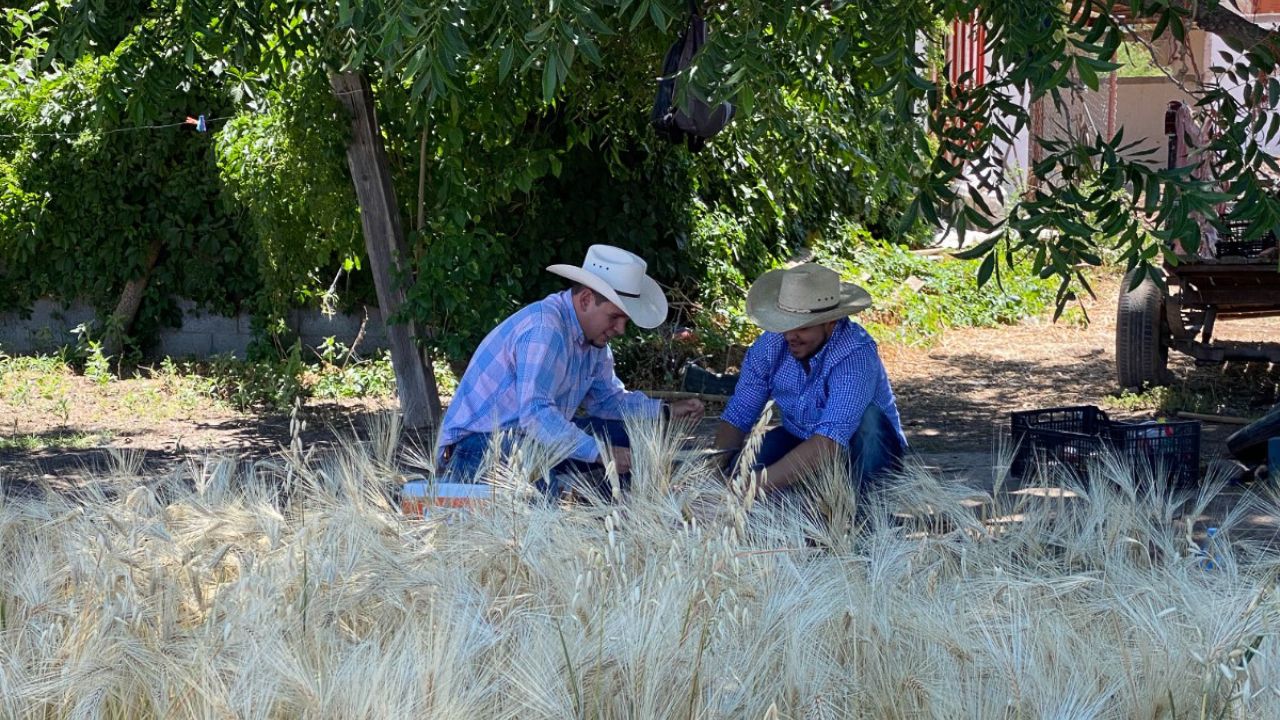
<point>1142,339</point>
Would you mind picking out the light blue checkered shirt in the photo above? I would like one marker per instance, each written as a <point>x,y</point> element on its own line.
<point>844,378</point>
<point>532,373</point>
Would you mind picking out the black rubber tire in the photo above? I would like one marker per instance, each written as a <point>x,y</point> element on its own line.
<point>1142,345</point>
<point>1249,443</point>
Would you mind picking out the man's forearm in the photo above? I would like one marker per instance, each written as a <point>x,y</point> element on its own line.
<point>728,437</point>
<point>806,456</point>
<point>616,406</point>
<point>543,422</point>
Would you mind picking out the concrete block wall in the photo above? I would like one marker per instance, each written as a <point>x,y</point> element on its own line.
<point>47,329</point>
<point>202,335</point>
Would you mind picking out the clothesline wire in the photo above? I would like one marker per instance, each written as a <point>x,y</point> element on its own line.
<point>140,128</point>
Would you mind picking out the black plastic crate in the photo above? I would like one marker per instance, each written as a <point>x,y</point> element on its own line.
<point>1065,436</point>
<point>1074,437</point>
<point>1171,447</point>
<point>700,380</point>
<point>1231,242</point>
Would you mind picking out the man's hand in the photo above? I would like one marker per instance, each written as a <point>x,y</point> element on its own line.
<point>690,409</point>
<point>621,459</point>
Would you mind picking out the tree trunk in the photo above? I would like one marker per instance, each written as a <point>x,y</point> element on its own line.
<point>121,320</point>
<point>385,243</point>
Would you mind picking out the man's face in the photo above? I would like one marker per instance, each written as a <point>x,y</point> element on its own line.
<point>601,321</point>
<point>804,343</point>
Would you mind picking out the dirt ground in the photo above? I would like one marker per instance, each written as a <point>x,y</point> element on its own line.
<point>954,398</point>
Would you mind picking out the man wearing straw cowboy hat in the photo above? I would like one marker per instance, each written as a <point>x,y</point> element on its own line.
<point>822,371</point>
<point>533,372</point>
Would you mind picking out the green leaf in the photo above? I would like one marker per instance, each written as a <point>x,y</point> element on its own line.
<point>978,250</point>
<point>593,21</point>
<point>890,58</point>
<point>1161,25</point>
<point>589,50</point>
<point>1098,64</point>
<point>746,100</point>
<point>985,270</point>
<point>549,76</point>
<point>504,62</point>
<point>658,16</point>
<point>928,211</point>
<point>1087,74</point>
<point>641,10</point>
<point>538,33</point>
<point>918,82</point>
<point>1059,75</point>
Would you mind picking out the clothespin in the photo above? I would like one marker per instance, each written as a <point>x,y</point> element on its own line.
<point>198,122</point>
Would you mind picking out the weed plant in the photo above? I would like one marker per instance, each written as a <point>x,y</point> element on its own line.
<point>917,297</point>
<point>292,587</point>
<point>1241,389</point>
<point>269,383</point>
<point>341,374</point>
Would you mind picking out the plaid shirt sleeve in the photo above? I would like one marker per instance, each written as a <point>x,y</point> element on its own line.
<point>609,399</point>
<point>752,391</point>
<point>851,385</point>
<point>539,364</point>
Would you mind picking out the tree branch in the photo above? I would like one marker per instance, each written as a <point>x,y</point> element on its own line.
<point>1239,32</point>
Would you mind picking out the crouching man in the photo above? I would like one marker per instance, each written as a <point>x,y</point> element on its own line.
<point>532,373</point>
<point>823,372</point>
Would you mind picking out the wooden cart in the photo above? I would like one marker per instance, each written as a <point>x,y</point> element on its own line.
<point>1150,323</point>
<point>1243,281</point>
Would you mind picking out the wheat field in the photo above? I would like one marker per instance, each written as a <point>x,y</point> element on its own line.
<point>293,588</point>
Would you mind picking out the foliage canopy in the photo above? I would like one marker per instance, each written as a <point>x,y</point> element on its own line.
<point>517,132</point>
<point>518,129</point>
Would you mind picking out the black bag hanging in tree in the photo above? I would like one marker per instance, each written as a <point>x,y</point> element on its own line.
<point>700,121</point>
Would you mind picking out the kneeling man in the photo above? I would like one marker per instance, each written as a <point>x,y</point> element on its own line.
<point>822,371</point>
<point>533,372</point>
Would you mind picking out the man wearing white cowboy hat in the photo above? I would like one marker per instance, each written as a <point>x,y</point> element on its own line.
<point>822,371</point>
<point>532,373</point>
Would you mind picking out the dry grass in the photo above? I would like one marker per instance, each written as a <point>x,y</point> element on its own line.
<point>293,588</point>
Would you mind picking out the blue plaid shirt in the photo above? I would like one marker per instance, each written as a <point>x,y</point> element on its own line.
<point>844,378</point>
<point>532,373</point>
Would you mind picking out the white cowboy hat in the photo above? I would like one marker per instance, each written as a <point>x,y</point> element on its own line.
<point>620,276</point>
<point>805,295</point>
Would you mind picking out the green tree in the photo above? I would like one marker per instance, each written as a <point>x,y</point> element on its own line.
<point>126,205</point>
<point>516,146</point>
<point>502,97</point>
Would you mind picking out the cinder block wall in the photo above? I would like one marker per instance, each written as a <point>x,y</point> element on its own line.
<point>201,336</point>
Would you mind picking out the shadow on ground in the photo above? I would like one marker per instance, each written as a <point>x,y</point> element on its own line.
<point>65,454</point>
<point>966,407</point>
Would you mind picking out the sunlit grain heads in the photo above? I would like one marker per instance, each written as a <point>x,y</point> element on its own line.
<point>206,593</point>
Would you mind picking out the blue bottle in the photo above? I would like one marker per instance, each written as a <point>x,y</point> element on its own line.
<point>1209,535</point>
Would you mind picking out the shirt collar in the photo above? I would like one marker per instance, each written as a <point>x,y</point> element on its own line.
<point>564,301</point>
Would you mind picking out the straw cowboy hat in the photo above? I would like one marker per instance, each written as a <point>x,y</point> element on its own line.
<point>805,295</point>
<point>620,276</point>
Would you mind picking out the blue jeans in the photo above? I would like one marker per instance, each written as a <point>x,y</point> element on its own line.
<point>468,454</point>
<point>874,448</point>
